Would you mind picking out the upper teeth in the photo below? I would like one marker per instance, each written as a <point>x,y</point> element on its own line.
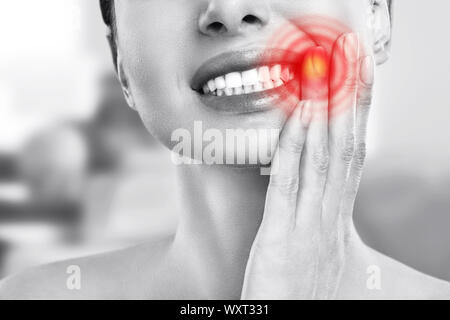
<point>254,80</point>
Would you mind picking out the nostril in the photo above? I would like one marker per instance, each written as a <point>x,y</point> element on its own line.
<point>251,19</point>
<point>216,27</point>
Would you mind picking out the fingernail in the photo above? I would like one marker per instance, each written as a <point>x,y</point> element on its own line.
<point>351,47</point>
<point>307,113</point>
<point>367,71</point>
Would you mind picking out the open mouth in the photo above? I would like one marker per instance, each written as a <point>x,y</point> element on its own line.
<point>254,80</point>
<point>246,81</point>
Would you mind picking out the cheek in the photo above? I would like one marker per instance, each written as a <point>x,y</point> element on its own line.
<point>155,64</point>
<point>352,13</point>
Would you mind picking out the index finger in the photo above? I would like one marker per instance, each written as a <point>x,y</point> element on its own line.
<point>283,186</point>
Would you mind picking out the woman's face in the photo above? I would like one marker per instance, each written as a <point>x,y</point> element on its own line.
<point>168,50</point>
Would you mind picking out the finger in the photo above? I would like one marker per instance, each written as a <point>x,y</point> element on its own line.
<point>341,130</point>
<point>284,180</point>
<point>314,166</point>
<point>364,102</point>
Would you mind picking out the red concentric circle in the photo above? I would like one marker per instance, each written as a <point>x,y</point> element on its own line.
<point>298,37</point>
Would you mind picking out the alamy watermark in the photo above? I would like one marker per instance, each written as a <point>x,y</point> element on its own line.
<point>73,281</point>
<point>232,147</point>
<point>374,280</point>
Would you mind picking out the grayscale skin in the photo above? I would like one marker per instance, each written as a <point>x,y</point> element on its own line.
<point>242,234</point>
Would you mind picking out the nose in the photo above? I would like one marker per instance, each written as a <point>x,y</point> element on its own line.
<point>233,17</point>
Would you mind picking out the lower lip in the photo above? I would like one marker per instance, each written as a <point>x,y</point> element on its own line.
<point>253,102</point>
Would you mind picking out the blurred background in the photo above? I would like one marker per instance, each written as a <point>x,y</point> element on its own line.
<point>79,174</point>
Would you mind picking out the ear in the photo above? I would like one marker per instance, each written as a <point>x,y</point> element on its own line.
<point>381,27</point>
<point>124,82</point>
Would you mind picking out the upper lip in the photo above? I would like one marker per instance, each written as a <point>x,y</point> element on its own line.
<point>238,61</point>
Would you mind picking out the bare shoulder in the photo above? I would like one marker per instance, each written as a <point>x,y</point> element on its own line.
<point>120,274</point>
<point>400,281</point>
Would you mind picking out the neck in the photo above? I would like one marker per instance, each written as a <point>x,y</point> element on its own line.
<point>222,210</point>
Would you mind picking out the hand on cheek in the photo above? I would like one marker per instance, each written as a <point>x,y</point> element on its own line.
<point>303,242</point>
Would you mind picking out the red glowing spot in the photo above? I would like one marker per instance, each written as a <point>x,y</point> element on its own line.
<point>315,67</point>
<point>299,38</point>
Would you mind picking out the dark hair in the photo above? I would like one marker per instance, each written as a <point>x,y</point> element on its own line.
<point>107,8</point>
<point>108,14</point>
